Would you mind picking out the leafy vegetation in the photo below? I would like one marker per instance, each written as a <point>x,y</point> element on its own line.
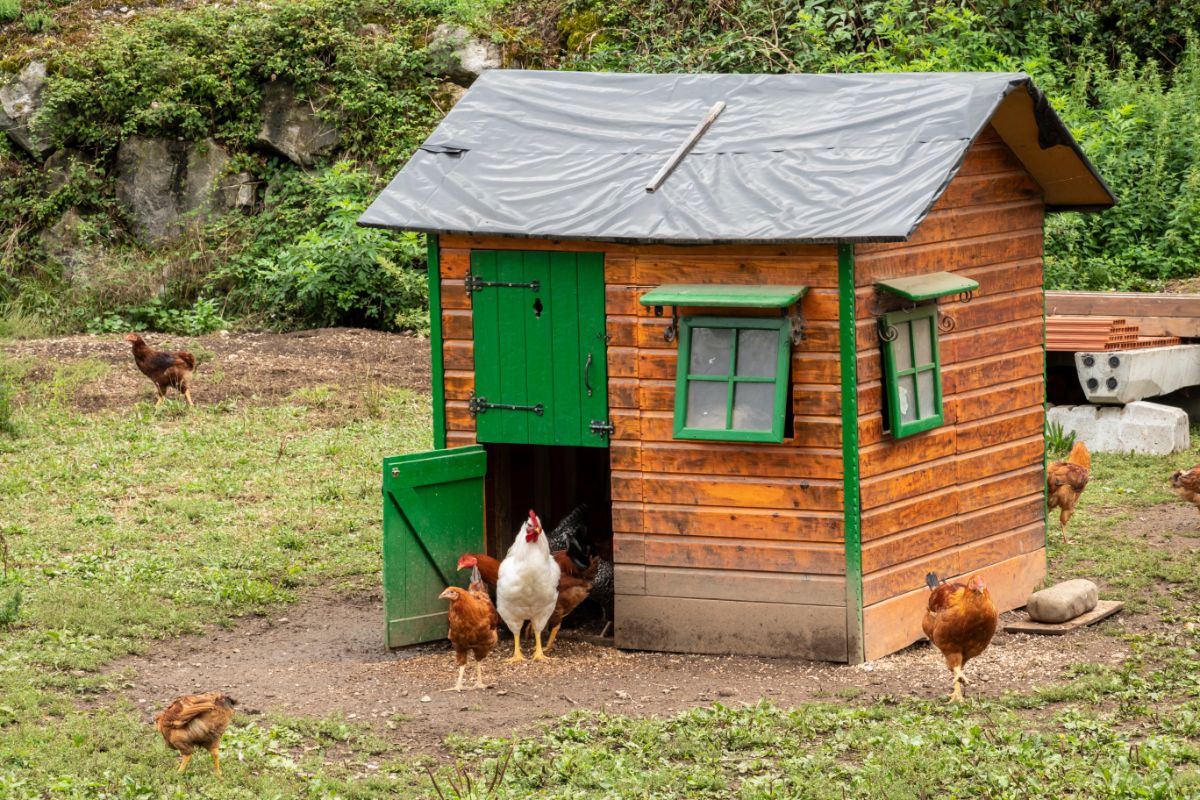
<point>1058,441</point>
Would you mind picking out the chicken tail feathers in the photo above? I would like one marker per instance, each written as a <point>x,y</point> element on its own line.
<point>931,580</point>
<point>187,358</point>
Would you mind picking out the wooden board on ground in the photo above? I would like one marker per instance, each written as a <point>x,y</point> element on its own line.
<point>1103,610</point>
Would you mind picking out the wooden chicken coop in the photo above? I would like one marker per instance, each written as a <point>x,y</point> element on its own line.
<point>782,332</point>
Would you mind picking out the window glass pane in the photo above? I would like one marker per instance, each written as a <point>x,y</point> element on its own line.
<point>710,351</point>
<point>922,332</point>
<point>905,399</point>
<point>758,353</point>
<point>901,347</point>
<point>925,387</point>
<point>706,403</point>
<point>753,406</point>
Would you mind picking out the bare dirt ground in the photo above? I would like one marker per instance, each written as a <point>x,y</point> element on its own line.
<point>325,656</point>
<point>256,368</point>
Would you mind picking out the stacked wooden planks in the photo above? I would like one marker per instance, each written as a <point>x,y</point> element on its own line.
<point>1068,333</point>
<point>1154,314</point>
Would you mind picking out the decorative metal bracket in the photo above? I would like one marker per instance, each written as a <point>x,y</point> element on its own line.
<point>797,324</point>
<point>480,405</point>
<point>673,329</point>
<point>474,283</point>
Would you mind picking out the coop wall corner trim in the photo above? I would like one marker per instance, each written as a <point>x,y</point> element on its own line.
<point>848,345</point>
<point>436,357</point>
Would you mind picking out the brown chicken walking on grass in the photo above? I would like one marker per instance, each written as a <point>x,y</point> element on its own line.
<point>1065,481</point>
<point>167,370</point>
<point>196,721</point>
<point>960,621</point>
<point>473,624</point>
<point>1186,484</point>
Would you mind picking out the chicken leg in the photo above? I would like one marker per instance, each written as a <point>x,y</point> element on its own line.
<point>553,636</point>
<point>956,696</point>
<point>183,762</point>
<point>516,656</point>
<point>538,655</point>
<point>479,684</point>
<point>216,757</point>
<point>461,669</point>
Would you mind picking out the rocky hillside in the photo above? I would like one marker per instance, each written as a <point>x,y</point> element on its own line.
<point>186,165</point>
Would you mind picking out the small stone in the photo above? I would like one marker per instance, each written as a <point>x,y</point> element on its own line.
<point>727,692</point>
<point>622,694</point>
<point>1063,601</point>
<point>426,698</point>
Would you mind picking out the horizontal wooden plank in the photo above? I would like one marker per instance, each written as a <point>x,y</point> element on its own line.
<point>902,484</point>
<point>619,268</point>
<point>910,575</point>
<point>952,256</point>
<point>813,270</point>
<point>742,554</point>
<point>690,625</point>
<point>1000,458</point>
<point>923,540</point>
<point>630,579</point>
<point>627,424</point>
<point>994,400</point>
<point>1154,314</point>
<point>624,393</point>
<point>735,522</point>
<point>622,330</point>
<point>817,431</point>
<point>973,190</point>
<point>457,324</point>
<point>627,518</point>
<point>458,355</point>
<point>991,370</point>
<point>626,486</point>
<point>459,438</point>
<point>967,221</point>
<point>910,513</point>
<point>454,295</point>
<point>753,460</point>
<point>895,623</point>
<point>995,430</point>
<point>759,587</point>
<point>458,418</point>
<point>781,493</point>
<point>999,489</point>
<point>625,455</point>
<point>968,345</point>
<point>459,384</point>
<point>468,242</point>
<point>896,454</point>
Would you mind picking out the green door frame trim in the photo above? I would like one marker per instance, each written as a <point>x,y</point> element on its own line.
<point>436,356</point>
<point>848,345</point>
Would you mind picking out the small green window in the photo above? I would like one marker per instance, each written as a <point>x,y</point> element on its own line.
<point>912,370</point>
<point>732,379</point>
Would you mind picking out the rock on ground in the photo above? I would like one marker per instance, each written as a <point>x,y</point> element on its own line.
<point>460,56</point>
<point>160,180</point>
<point>292,127</point>
<point>1063,601</point>
<point>1139,427</point>
<point>20,102</point>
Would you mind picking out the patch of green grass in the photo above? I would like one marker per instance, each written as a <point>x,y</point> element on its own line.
<point>1131,480</point>
<point>10,10</point>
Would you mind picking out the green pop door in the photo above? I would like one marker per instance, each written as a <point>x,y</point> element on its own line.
<point>541,370</point>
<point>432,514</point>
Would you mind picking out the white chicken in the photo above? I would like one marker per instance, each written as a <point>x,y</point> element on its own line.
<point>527,586</point>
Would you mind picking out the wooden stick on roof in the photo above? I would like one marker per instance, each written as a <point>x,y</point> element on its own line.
<point>686,147</point>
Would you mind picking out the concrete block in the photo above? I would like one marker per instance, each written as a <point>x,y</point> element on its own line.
<point>1063,601</point>
<point>1139,427</point>
<point>1123,376</point>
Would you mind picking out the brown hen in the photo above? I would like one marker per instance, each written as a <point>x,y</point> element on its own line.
<point>473,625</point>
<point>960,621</point>
<point>1186,484</point>
<point>1065,481</point>
<point>196,720</point>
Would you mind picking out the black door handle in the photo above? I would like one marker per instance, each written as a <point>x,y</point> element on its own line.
<point>587,367</point>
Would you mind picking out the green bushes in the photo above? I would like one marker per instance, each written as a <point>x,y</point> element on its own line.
<point>333,272</point>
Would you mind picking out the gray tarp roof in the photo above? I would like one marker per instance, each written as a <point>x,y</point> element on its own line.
<point>793,158</point>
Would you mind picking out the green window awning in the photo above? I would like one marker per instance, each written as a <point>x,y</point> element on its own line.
<point>724,295</point>
<point>928,287</point>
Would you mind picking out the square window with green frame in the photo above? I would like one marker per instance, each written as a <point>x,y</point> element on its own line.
<point>732,379</point>
<point>912,373</point>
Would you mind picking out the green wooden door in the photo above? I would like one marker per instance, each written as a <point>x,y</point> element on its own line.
<point>541,370</point>
<point>432,514</point>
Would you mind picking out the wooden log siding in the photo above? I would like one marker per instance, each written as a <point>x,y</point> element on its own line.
<point>757,527</point>
<point>966,496</point>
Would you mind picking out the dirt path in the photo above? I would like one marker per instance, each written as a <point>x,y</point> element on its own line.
<point>256,368</point>
<point>325,655</point>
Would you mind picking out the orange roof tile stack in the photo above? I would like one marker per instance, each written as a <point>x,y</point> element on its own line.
<point>1084,333</point>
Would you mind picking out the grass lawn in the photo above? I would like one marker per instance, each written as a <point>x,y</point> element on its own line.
<point>123,529</point>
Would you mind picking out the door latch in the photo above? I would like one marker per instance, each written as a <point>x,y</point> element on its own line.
<point>602,428</point>
<point>480,405</point>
